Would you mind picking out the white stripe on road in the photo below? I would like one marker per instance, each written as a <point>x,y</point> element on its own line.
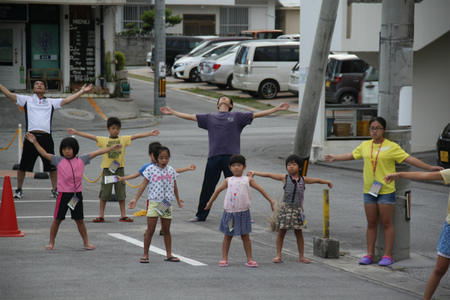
<point>155,249</point>
<point>68,215</point>
<point>47,201</point>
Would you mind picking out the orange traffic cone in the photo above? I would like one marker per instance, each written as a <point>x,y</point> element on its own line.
<point>8,219</point>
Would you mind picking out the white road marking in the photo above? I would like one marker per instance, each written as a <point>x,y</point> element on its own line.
<point>156,249</point>
<point>49,201</point>
<point>67,216</point>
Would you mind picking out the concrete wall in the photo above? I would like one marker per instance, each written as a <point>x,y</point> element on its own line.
<point>134,48</point>
<point>430,111</point>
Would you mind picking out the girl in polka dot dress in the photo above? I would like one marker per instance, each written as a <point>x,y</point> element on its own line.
<point>162,189</point>
<point>236,218</point>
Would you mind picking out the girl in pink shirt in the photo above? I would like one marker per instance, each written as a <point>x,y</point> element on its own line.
<point>70,175</point>
<point>236,218</point>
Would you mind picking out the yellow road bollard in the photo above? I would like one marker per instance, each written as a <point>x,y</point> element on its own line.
<point>325,247</point>
<point>326,214</point>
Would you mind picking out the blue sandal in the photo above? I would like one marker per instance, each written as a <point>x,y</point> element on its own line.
<point>366,260</point>
<point>386,261</point>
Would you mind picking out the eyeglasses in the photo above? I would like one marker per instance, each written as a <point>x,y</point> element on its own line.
<point>375,128</point>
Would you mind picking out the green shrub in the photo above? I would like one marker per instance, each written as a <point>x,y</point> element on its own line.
<point>119,58</point>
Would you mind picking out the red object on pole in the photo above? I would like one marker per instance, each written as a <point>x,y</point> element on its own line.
<point>8,219</point>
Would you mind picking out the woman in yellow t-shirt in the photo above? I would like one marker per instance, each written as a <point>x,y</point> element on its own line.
<point>380,156</point>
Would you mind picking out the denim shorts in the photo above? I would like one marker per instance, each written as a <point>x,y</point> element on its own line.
<point>381,199</point>
<point>443,247</point>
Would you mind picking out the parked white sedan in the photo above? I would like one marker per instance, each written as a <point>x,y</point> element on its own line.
<point>219,70</point>
<point>187,67</point>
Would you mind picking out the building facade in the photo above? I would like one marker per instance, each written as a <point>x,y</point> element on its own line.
<point>206,17</point>
<point>55,40</point>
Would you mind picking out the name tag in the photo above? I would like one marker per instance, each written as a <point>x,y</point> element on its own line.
<point>375,189</point>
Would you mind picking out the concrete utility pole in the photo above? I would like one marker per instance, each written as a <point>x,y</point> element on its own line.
<point>314,81</point>
<point>395,102</point>
<point>160,56</point>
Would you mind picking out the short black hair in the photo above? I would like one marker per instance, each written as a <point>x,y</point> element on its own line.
<point>231,101</point>
<point>152,147</point>
<point>157,151</point>
<point>69,142</point>
<point>237,158</point>
<point>296,159</point>
<point>113,121</point>
<point>380,120</point>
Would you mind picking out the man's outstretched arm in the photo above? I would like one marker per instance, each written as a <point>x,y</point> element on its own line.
<point>168,111</point>
<point>8,94</point>
<point>282,106</point>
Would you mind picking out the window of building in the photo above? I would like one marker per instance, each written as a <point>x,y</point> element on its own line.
<point>132,14</point>
<point>233,20</point>
<point>199,24</point>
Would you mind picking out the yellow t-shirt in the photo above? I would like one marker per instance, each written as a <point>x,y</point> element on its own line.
<point>390,153</point>
<point>119,155</point>
<point>446,177</point>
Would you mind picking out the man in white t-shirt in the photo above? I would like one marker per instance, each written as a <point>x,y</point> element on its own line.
<point>38,119</point>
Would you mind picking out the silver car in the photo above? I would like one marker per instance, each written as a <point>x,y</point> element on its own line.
<point>219,70</point>
<point>294,79</point>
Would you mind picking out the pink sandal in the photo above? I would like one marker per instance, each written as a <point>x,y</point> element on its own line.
<point>223,263</point>
<point>252,264</point>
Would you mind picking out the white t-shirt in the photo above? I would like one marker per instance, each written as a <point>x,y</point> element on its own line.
<point>38,112</point>
<point>161,183</point>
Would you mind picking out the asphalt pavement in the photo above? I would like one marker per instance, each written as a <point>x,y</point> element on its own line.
<point>113,270</point>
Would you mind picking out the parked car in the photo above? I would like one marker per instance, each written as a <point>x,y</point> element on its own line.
<point>212,41</point>
<point>369,87</point>
<point>219,70</point>
<point>344,71</point>
<point>294,79</point>
<point>262,33</point>
<point>262,68</point>
<point>174,46</point>
<point>187,67</point>
<point>294,37</point>
<point>443,147</point>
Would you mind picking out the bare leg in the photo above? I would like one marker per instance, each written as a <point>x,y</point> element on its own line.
<point>20,178</point>
<point>247,246</point>
<point>151,225</point>
<point>372,224</point>
<point>122,208</point>
<point>386,213</point>
<point>83,232</point>
<point>54,179</point>
<point>300,243</point>
<point>165,227</point>
<point>226,246</point>
<point>53,231</point>
<point>102,208</point>
<point>439,271</point>
<point>280,241</point>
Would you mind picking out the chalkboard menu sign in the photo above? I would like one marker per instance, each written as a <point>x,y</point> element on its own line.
<point>82,44</point>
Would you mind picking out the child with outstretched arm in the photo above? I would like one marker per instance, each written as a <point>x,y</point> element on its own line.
<point>291,213</point>
<point>113,163</point>
<point>70,169</point>
<point>236,218</point>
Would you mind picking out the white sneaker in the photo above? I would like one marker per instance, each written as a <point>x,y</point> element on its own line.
<point>18,193</point>
<point>53,194</point>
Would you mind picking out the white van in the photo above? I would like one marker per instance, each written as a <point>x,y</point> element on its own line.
<point>262,67</point>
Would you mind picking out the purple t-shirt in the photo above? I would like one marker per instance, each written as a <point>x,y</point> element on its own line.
<point>224,131</point>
